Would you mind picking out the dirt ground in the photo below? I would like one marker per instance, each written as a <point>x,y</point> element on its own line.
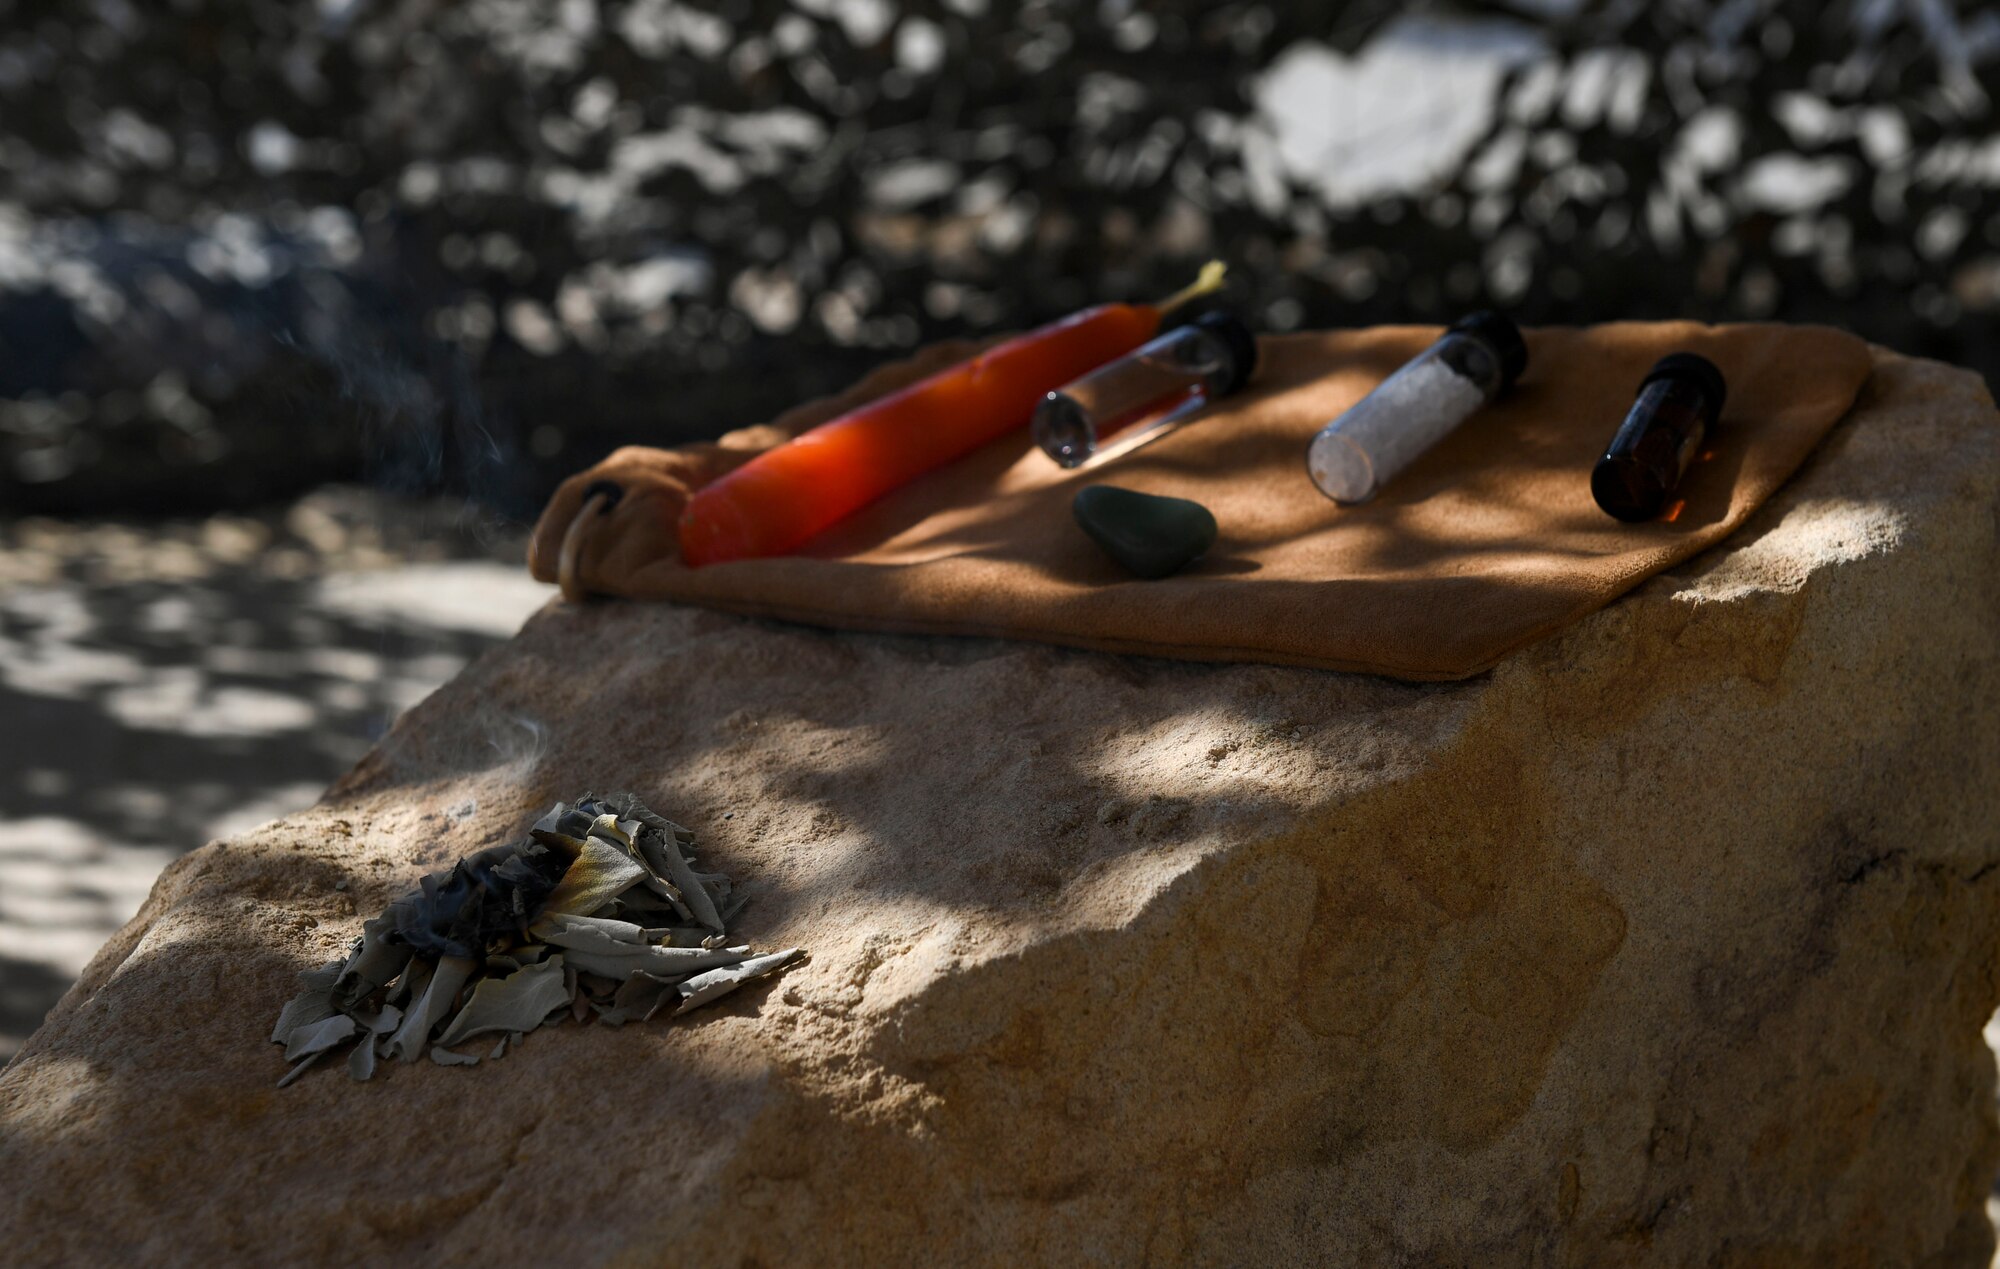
<point>163,685</point>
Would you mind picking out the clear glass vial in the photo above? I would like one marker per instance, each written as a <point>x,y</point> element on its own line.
<point>1477,359</point>
<point>1158,385</point>
<point>1676,409</point>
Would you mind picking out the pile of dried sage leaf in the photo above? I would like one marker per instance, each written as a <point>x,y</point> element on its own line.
<point>599,911</point>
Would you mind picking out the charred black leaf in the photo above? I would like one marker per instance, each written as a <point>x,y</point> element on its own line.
<point>483,902</point>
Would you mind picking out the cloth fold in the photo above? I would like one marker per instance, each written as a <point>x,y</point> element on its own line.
<point>1486,543</point>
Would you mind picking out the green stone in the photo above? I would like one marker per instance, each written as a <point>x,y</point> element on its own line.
<point>1150,535</point>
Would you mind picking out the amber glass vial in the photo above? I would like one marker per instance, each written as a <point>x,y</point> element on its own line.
<point>1676,410</point>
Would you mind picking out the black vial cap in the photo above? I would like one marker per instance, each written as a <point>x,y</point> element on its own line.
<point>1498,332</point>
<point>1242,345</point>
<point>1699,373</point>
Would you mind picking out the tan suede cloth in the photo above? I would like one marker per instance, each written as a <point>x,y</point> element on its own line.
<point>1486,543</point>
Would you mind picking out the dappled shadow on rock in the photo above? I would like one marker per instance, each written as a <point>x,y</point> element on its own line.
<point>795,751</point>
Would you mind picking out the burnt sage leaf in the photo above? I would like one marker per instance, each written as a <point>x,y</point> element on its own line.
<point>663,854</point>
<point>592,951</point>
<point>411,985</point>
<point>637,999</point>
<point>598,911</point>
<point>440,994</point>
<point>380,957</point>
<point>361,1062</point>
<point>317,1037</point>
<point>301,1068</point>
<point>600,873</point>
<point>716,983</point>
<point>519,1002</point>
<point>607,927</point>
<point>314,1004</point>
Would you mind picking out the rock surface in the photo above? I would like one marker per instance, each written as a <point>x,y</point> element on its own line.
<point>1669,941</point>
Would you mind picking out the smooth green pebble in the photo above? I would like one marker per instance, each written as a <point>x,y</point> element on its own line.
<point>1150,535</point>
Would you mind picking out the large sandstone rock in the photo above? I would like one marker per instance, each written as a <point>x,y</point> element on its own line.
<point>1669,941</point>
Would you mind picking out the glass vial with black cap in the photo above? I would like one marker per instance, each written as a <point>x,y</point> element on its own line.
<point>1675,412</point>
<point>1478,358</point>
<point>1147,392</point>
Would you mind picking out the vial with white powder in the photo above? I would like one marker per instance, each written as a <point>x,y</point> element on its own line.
<point>1476,360</point>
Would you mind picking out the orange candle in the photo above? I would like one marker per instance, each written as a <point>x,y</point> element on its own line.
<point>778,500</point>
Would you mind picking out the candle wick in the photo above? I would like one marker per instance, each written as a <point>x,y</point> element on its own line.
<point>1208,281</point>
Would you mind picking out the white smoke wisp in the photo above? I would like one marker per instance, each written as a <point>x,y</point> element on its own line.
<point>507,747</point>
<point>497,746</point>
<point>519,745</point>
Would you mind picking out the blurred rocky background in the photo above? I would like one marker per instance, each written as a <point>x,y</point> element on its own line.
<point>165,682</point>
<point>249,246</point>
<point>444,252</point>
